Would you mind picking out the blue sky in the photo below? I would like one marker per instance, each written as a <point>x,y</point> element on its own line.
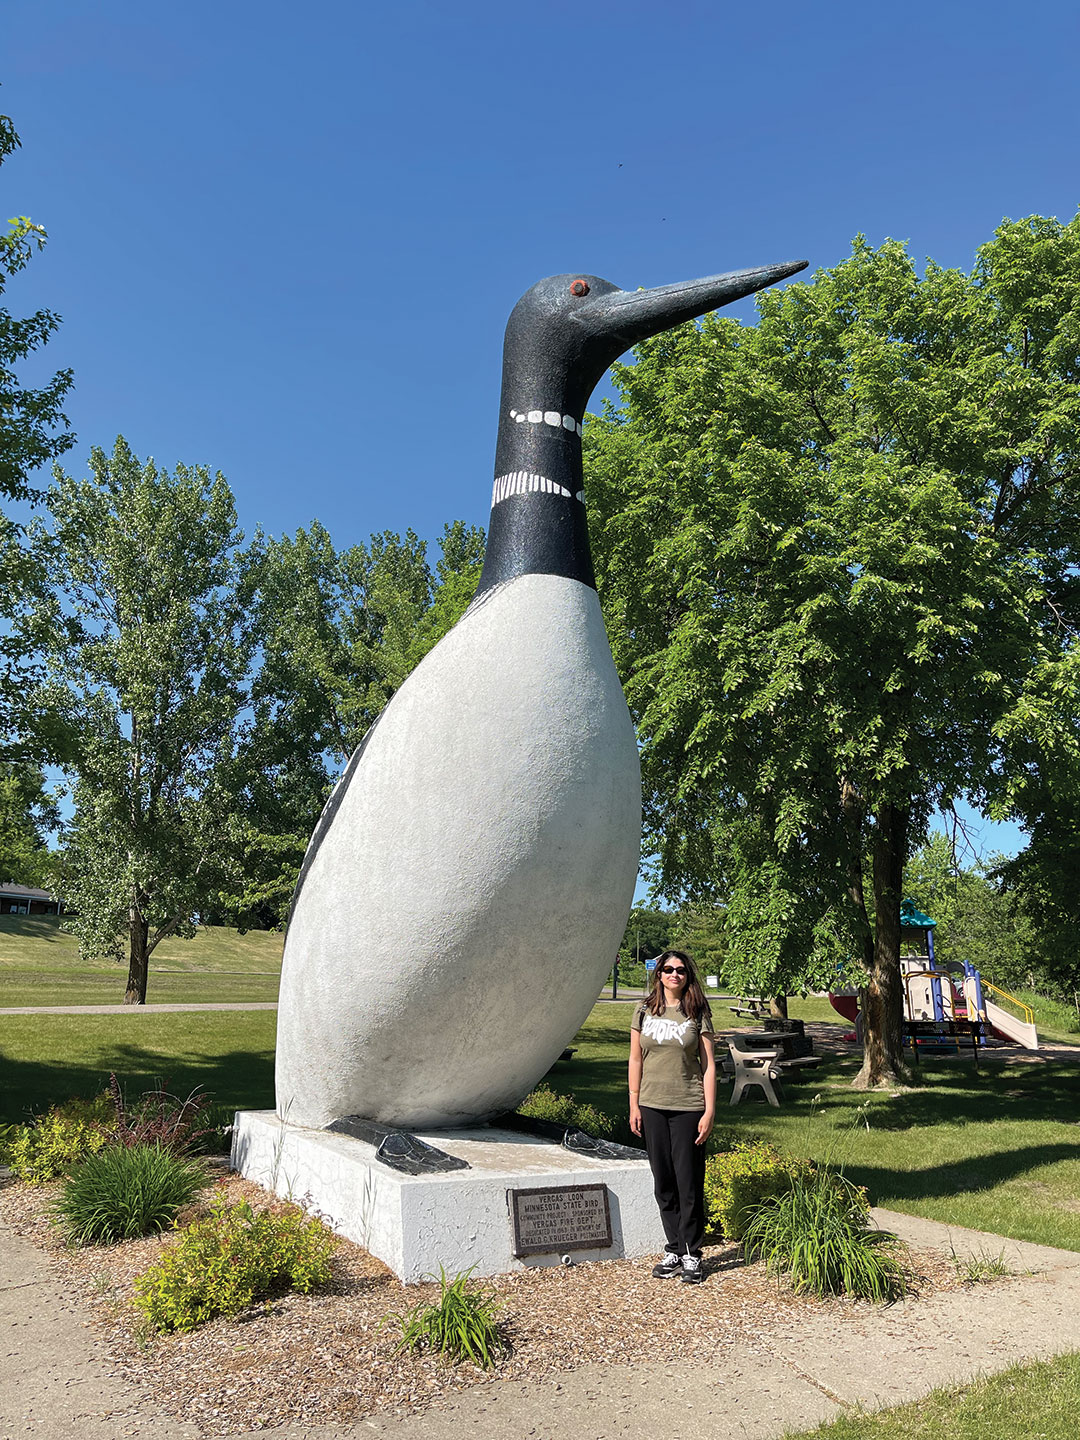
<point>284,241</point>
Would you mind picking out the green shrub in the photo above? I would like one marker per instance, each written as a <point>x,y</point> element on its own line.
<point>124,1191</point>
<point>8,1134</point>
<point>738,1179</point>
<point>546,1104</point>
<point>60,1138</point>
<point>461,1324</point>
<point>817,1232</point>
<point>222,1264</point>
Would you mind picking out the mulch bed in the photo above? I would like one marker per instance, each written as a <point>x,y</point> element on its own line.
<point>329,1358</point>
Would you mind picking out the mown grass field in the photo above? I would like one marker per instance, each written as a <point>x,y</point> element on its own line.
<point>40,965</point>
<point>997,1149</point>
<point>47,1058</point>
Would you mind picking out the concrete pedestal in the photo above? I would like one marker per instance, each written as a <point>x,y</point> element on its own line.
<point>458,1219</point>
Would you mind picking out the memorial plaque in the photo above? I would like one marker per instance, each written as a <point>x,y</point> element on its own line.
<point>560,1217</point>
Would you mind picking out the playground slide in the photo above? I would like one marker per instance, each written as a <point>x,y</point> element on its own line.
<point>1019,1031</point>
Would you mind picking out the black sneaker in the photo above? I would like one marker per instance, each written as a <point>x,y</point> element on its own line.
<point>691,1269</point>
<point>669,1265</point>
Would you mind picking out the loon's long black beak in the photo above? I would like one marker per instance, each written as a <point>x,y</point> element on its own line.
<point>626,317</point>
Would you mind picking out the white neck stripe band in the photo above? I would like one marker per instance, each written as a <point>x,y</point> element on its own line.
<point>547,417</point>
<point>520,482</point>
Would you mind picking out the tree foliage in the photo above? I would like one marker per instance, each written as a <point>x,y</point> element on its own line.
<point>149,643</point>
<point>837,551</point>
<point>1041,884</point>
<point>28,813</point>
<point>33,426</point>
<point>33,429</point>
<point>976,919</point>
<point>339,631</point>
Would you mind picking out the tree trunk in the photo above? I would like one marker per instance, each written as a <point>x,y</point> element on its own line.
<point>778,1007</point>
<point>883,1051</point>
<point>854,817</point>
<point>139,958</point>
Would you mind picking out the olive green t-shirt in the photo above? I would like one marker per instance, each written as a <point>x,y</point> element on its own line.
<point>670,1058</point>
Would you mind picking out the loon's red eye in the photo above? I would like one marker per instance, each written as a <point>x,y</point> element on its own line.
<point>579,288</point>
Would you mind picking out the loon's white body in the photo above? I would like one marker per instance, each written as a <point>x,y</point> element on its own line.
<point>468,884</point>
<point>455,926</point>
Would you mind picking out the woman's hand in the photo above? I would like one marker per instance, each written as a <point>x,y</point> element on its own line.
<point>704,1127</point>
<point>635,1117</point>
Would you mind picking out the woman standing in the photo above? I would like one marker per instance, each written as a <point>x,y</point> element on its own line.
<point>672,1102</point>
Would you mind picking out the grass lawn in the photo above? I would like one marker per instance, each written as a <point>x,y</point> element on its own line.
<point>1025,1401</point>
<point>995,1150</point>
<point>40,965</point>
<point>47,1058</point>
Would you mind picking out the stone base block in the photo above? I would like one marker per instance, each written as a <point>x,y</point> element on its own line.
<point>457,1219</point>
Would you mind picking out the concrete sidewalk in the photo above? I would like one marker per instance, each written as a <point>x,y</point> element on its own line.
<point>134,1009</point>
<point>56,1378</point>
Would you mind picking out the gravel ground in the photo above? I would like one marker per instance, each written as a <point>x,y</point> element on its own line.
<point>329,1358</point>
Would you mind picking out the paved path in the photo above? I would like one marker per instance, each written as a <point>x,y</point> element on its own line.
<point>56,1380</point>
<point>133,1009</point>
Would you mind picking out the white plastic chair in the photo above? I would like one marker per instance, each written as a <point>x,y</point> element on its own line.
<point>755,1067</point>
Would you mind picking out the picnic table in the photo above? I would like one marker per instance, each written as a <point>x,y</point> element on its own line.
<point>749,1005</point>
<point>789,1044</point>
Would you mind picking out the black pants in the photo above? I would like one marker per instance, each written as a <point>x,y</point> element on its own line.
<point>678,1167</point>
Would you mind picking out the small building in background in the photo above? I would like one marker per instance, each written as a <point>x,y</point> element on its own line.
<point>25,900</point>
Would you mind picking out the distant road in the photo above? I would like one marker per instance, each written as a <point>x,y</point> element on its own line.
<point>131,1009</point>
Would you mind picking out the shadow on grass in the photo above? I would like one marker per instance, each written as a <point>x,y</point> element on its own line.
<point>239,1079</point>
<point>959,1177</point>
<point>45,928</point>
<point>965,1097</point>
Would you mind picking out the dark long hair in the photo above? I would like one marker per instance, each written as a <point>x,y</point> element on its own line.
<point>692,1001</point>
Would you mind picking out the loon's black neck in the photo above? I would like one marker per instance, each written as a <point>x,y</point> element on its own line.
<point>560,338</point>
<point>537,524</point>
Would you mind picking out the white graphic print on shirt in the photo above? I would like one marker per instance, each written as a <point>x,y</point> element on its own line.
<point>660,1030</point>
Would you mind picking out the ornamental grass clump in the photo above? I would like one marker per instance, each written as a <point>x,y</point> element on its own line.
<point>161,1118</point>
<point>122,1192</point>
<point>818,1234</point>
<point>224,1263</point>
<point>462,1324</point>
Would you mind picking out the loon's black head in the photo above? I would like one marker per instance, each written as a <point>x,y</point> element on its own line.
<point>561,336</point>
<point>565,332</point>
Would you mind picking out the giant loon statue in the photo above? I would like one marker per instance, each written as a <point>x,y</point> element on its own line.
<point>468,884</point>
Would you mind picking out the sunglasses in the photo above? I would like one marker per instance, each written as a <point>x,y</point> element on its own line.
<point>672,970</point>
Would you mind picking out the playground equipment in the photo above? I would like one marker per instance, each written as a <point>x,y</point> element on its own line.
<point>948,991</point>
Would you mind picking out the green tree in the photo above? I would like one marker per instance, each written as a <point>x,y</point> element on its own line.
<point>976,919</point>
<point>148,644</point>
<point>339,632</point>
<point>648,932</point>
<point>27,814</point>
<point>1041,885</point>
<point>33,426</point>
<point>33,429</point>
<point>838,553</point>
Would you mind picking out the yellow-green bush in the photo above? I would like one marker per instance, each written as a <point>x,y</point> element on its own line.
<point>544,1103</point>
<point>740,1178</point>
<point>222,1264</point>
<point>60,1138</point>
